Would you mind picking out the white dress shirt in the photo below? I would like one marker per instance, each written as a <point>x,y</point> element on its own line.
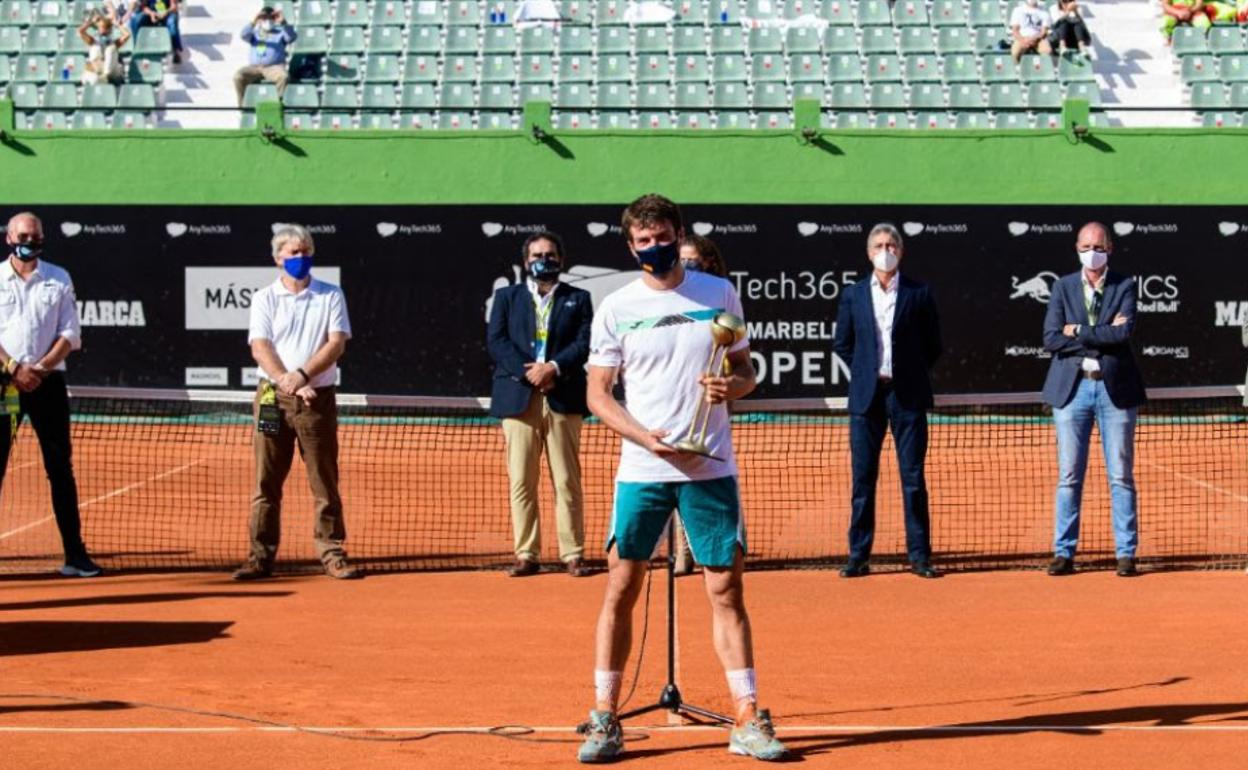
<point>542,305</point>
<point>884,303</point>
<point>36,311</point>
<point>1091,364</point>
<point>298,324</point>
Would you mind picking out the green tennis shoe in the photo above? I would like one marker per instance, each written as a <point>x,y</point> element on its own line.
<point>604,740</point>
<point>757,738</point>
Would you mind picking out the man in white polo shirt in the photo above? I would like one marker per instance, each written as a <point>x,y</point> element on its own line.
<point>38,329</point>
<point>653,335</point>
<point>299,330</point>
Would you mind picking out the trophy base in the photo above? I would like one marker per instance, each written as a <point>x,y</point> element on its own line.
<point>688,446</point>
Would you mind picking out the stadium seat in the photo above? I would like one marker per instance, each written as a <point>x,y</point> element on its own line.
<point>775,120</point>
<point>44,40</point>
<point>732,121</point>
<point>417,96</point>
<point>727,40</point>
<point>420,69</point>
<point>6,68</point>
<point>566,121</point>
<point>385,40</point>
<point>537,68</point>
<point>1005,96</point>
<point>1210,96</point>
<point>613,69</point>
<point>66,66</point>
<point>838,13</point>
<point>966,96</point>
<point>653,68</point>
<point>11,41</point>
<point>689,40</point>
<point>690,12</point>
<point>47,121</point>
<point>874,13</point>
<point>462,13</point>
<point>948,13</point>
<point>986,13</point>
<point>342,68</point>
<point>256,92</point>
<point>416,121</point>
<point>652,40</point>
<point>131,120</point>
<point>60,96</point>
<point>574,96</point>
<point>423,40</point>
<point>351,13</point>
<point>25,96</point>
<point>1072,68</point>
<point>614,96</point>
<point>888,96</point>
<point>150,71</point>
<point>498,96</point>
<point>693,120</point>
<point>771,96</point>
<point>978,120</point>
<point>1000,68</point>
<point>301,96</point>
<point>312,40</point>
<point>691,68</point>
<point>389,13</point>
<point>136,96</point>
<point>381,68</point>
<point>878,40</point>
<point>462,41</point>
<point>927,96</point>
<point>1044,96</point>
<point>17,13</point>
<point>951,40</point>
<point>803,40</point>
<point>314,13</point>
<point>1199,68</point>
<point>498,69</point>
<point>838,40</point>
<point>763,9</point>
<point>654,96</point>
<point>500,12</point>
<point>153,43</point>
<point>816,91</point>
<point>728,67</point>
<point>852,120</point>
<point>1226,40</point>
<point>103,96</point>
<point>891,120</point>
<point>806,68</point>
<point>655,121</point>
<point>1188,40</point>
<point>932,120</point>
<point>577,11</point>
<point>1239,96</point>
<point>846,68</point>
<point>917,40</point>
<point>460,69</point>
<point>454,120</point>
<point>883,68</point>
<point>340,96</point>
<point>456,96</point>
<point>32,69</point>
<point>336,121</point>
<point>610,12</point>
<point>768,68</point>
<point>1051,120</point>
<point>1038,68</point>
<point>921,68</point>
<point>534,40</point>
<point>87,119</point>
<point>693,96</point>
<point>723,12</point>
<point>1087,91</point>
<point>613,40</point>
<point>991,40</point>
<point>376,121</point>
<point>1011,120</point>
<point>1233,68</point>
<point>730,96</point>
<point>910,13</point>
<point>535,92</point>
<point>766,40</point>
<point>1220,120</point>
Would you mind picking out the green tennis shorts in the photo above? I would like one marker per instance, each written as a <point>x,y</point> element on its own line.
<point>710,511</point>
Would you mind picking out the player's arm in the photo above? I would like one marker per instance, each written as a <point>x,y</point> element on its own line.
<point>739,382</point>
<point>613,414</point>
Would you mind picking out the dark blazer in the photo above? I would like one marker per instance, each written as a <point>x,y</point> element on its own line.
<point>513,326</point>
<point>1111,344</point>
<point>916,343</point>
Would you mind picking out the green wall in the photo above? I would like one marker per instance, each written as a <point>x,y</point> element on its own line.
<point>1120,166</point>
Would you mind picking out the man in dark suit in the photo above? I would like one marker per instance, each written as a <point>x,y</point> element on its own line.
<point>539,340</point>
<point>1093,377</point>
<point>888,332</point>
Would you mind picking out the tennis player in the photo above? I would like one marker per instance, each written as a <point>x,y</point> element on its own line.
<point>653,335</point>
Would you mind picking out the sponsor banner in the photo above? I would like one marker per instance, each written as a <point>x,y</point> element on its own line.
<point>207,376</point>
<point>163,290</point>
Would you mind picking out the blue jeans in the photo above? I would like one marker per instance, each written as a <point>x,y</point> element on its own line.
<point>139,19</point>
<point>1074,432</point>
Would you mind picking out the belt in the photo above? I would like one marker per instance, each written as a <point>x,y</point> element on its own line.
<point>1096,375</point>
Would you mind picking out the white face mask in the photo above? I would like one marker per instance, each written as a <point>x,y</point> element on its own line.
<point>1093,259</point>
<point>885,260</point>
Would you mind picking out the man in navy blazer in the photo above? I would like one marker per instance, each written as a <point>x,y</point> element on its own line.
<point>1093,377</point>
<point>539,340</point>
<point>888,332</point>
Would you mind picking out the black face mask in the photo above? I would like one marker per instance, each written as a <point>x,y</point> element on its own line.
<point>545,269</point>
<point>28,252</point>
<point>660,258</point>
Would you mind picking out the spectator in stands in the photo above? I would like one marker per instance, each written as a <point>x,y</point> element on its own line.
<point>1069,32</point>
<point>38,329</point>
<point>1029,27</point>
<point>268,35</point>
<point>1183,12</point>
<point>539,339</point>
<point>158,13</point>
<point>103,50</point>
<point>298,331</point>
<point>701,254</point>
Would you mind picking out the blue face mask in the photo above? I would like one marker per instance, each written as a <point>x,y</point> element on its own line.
<point>691,265</point>
<point>27,252</point>
<point>298,266</point>
<point>545,269</point>
<point>660,258</point>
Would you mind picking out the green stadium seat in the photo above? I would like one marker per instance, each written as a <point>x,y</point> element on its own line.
<point>535,92</point>
<point>136,96</point>
<point>927,96</point>
<point>575,40</point>
<point>460,69</point>
<point>351,13</point>
<point>102,96</point>
<point>1199,68</point>
<point>376,121</point>
<point>465,13</point>
<point>768,68</point>
<point>533,40</point>
<point>424,40</point>
<point>652,68</point>
<point>917,40</point>
<point>11,41</point>
<point>806,68</point>
<point>1239,96</point>
<point>462,41</point>
<point>301,96</point>
<point>888,96</point>
<point>6,67</point>
<point>838,40</point>
<point>910,13</point>
<point>1087,91</point>
<point>340,96</point>
<point>948,13</point>
<point>385,40</point>
<point>966,96</point>
<point>312,40</point>
<point>1226,40</point>
<point>381,68</point>
<point>845,68</point>
<point>689,40</point>
<point>417,96</point>
<point>32,68</point>
<point>66,66</point>
<point>336,121</point>
<point>989,39</point>
<point>426,13</point>
<point>1037,68</point>
<point>921,68</point>
<point>416,121</point>
<point>975,120</point>
<point>803,40</point>
<point>693,120</point>
<point>500,12</point>
<point>766,40</point>
<point>816,91</point>
<point>389,13</point>
<point>655,121</point>
<point>771,96</point>
<point>848,95</point>
<point>690,12</point>
<point>724,12</point>
<point>732,121</point>
<point>294,121</point>
<point>838,13</point>
<point>1000,68</point>
<point>45,40</point>
<point>883,68</point>
<point>1011,120</point>
<point>951,40</point>
<point>1050,120</point>
<point>498,69</point>
<point>691,67</point>
<point>47,121</point>
<point>610,12</point>
<point>728,67</point>
<point>537,68</point>
<point>25,96</point>
<point>613,40</point>
<point>1233,68</point>
<point>654,96</point>
<point>727,40</point>
<point>455,96</point>
<point>613,69</point>
<point>1003,96</point>
<point>342,68</point>
<point>891,120</point>
<point>498,96</point>
<point>1044,96</point>
<point>577,69</point>
<point>652,40</point>
<point>17,13</point>
<point>614,96</point>
<point>986,13</point>
<point>693,96</point>
<point>574,96</point>
<point>315,13</point>
<point>1220,120</point>
<point>94,121</point>
<point>874,13</point>
<point>933,120</point>
<point>775,120</point>
<point>573,121</point>
<point>420,69</point>
<point>878,40</point>
<point>60,96</point>
<point>1073,68</point>
<point>131,120</point>
<point>150,71</point>
<point>289,9</point>
<point>1188,40</point>
<point>730,96</point>
<point>256,92</point>
<point>1210,96</point>
<point>763,9</point>
<point>851,120</point>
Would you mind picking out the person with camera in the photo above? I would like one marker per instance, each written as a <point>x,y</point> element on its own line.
<point>269,35</point>
<point>104,45</point>
<point>158,13</point>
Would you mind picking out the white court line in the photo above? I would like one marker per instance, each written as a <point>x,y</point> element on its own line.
<point>1198,482</point>
<point>105,496</point>
<point>792,729</point>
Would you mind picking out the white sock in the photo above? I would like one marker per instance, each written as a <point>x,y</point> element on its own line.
<point>607,686</point>
<point>743,685</point>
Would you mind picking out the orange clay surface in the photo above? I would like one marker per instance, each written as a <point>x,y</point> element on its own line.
<point>981,670</point>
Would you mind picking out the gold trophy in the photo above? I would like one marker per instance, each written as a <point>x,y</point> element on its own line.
<point>726,330</point>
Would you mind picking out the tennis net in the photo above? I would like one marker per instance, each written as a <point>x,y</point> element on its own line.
<point>165,479</point>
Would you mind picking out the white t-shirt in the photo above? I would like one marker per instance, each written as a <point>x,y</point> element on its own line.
<point>1030,21</point>
<point>299,324</point>
<point>661,342</point>
<point>35,312</point>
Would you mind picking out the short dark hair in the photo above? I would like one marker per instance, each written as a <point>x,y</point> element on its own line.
<point>650,210</point>
<point>708,252</point>
<point>543,235</point>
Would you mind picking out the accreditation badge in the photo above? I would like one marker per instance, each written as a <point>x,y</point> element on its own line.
<point>268,416</point>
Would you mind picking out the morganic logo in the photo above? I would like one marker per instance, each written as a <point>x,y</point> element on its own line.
<point>1168,352</point>
<point>1030,351</point>
<point>1039,287</point>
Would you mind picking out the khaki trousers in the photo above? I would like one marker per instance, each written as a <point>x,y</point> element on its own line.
<point>273,73</point>
<point>315,428</point>
<point>526,434</point>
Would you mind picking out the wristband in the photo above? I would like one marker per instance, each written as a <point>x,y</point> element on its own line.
<point>306,378</point>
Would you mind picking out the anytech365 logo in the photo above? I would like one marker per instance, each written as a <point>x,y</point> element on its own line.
<point>912,229</point>
<point>1039,287</point>
<point>1024,228</point>
<point>1124,229</point>
<point>1231,228</point>
<point>808,229</point>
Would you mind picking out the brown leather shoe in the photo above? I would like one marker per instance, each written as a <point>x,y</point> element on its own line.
<point>577,567</point>
<point>524,568</point>
<point>253,570</point>
<point>339,569</point>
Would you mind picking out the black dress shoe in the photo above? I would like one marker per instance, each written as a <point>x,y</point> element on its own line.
<point>1126,567</point>
<point>524,568</point>
<point>856,569</point>
<point>1062,565</point>
<point>924,569</point>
